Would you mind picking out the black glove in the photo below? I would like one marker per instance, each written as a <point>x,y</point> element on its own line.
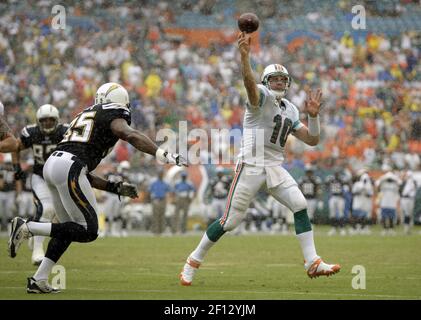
<point>19,173</point>
<point>122,189</point>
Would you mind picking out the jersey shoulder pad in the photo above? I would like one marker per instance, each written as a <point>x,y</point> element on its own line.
<point>29,130</point>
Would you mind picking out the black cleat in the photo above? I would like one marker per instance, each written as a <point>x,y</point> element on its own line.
<point>40,286</point>
<point>18,234</point>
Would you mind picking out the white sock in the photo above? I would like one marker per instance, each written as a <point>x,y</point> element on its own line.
<point>44,269</point>
<point>38,243</point>
<point>204,245</point>
<point>307,245</point>
<point>39,228</point>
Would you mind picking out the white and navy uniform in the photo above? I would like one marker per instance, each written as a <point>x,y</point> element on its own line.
<point>309,186</point>
<point>219,189</point>
<point>408,191</point>
<point>362,194</point>
<point>266,129</point>
<point>388,185</point>
<point>7,194</point>
<point>42,145</point>
<point>87,141</point>
<point>335,186</point>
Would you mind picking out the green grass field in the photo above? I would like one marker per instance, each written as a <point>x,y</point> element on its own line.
<point>239,267</point>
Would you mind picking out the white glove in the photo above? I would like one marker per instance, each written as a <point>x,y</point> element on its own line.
<point>172,158</point>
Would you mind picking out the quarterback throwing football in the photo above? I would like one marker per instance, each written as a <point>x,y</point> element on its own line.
<point>270,113</point>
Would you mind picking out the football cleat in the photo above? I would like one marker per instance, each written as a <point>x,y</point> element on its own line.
<point>40,286</point>
<point>189,269</point>
<point>319,268</point>
<point>18,234</point>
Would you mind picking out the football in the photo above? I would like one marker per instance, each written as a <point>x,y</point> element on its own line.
<point>248,22</point>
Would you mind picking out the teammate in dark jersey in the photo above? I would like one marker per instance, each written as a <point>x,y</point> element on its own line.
<point>336,187</point>
<point>90,137</point>
<point>42,138</point>
<point>310,186</point>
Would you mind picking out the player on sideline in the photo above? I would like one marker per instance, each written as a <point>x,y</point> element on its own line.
<point>90,137</point>
<point>268,110</point>
<point>8,142</point>
<point>43,138</point>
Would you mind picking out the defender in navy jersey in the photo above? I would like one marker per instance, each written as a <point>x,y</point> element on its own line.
<point>42,138</point>
<point>90,137</point>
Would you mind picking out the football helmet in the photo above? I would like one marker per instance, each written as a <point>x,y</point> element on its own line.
<point>276,70</point>
<point>112,92</point>
<point>44,112</point>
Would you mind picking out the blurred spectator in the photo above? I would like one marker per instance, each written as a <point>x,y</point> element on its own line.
<point>159,191</point>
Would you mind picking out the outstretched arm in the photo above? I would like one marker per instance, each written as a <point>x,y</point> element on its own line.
<point>244,40</point>
<point>311,134</point>
<point>143,143</point>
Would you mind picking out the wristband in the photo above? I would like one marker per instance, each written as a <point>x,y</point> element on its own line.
<point>314,126</point>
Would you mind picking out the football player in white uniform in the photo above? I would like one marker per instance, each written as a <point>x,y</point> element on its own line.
<point>388,187</point>
<point>408,191</point>
<point>362,193</point>
<point>269,119</point>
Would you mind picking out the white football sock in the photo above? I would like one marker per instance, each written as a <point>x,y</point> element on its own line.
<point>44,269</point>
<point>307,245</point>
<point>202,249</point>
<point>39,228</point>
<point>38,244</point>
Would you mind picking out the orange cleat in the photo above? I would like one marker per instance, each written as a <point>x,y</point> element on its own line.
<point>319,268</point>
<point>189,269</point>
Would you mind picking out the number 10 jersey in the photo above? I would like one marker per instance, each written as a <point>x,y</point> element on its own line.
<point>266,129</point>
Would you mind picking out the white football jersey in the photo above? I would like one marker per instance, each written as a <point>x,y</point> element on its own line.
<point>388,185</point>
<point>266,129</point>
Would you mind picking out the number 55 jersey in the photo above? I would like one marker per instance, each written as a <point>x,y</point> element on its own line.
<point>266,129</point>
<point>89,136</point>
